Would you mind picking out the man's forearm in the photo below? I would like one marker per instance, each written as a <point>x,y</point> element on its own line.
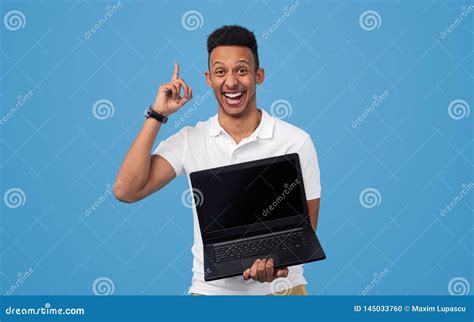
<point>133,173</point>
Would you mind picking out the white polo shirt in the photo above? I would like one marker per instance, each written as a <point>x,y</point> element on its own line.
<point>208,145</point>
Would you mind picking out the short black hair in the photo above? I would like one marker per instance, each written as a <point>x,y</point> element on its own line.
<point>233,35</point>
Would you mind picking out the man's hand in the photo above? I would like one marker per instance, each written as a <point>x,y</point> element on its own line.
<point>262,270</point>
<point>168,99</point>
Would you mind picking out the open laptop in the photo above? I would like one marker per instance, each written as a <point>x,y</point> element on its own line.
<point>253,210</point>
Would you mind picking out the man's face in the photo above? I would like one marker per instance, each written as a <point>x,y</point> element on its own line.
<point>233,78</point>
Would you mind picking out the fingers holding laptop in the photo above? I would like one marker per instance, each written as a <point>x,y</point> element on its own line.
<point>263,270</point>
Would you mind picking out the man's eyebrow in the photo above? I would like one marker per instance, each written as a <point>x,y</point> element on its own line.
<point>243,61</point>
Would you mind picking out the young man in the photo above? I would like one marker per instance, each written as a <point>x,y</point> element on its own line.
<point>239,132</point>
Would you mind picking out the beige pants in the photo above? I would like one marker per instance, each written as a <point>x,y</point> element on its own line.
<point>297,290</point>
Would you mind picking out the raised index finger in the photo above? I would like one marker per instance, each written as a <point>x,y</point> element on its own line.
<point>175,72</point>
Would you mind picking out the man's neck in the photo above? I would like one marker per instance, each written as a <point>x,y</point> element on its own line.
<point>242,126</point>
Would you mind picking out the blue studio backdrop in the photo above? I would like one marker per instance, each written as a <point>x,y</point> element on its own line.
<point>384,88</point>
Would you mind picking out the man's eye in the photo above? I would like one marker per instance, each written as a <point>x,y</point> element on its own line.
<point>242,71</point>
<point>219,72</point>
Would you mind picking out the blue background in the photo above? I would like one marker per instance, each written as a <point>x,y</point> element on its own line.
<point>319,59</point>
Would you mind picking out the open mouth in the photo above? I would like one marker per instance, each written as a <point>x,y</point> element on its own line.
<point>233,98</point>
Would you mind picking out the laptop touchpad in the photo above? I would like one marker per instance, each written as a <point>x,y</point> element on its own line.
<point>248,261</point>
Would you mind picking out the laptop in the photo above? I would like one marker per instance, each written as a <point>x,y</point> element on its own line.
<point>253,210</point>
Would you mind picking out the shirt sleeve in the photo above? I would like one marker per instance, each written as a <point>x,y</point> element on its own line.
<point>172,149</point>
<point>310,169</point>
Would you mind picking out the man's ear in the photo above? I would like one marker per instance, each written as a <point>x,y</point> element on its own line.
<point>260,76</point>
<point>208,78</point>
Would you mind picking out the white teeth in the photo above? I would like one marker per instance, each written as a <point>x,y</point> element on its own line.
<point>232,95</point>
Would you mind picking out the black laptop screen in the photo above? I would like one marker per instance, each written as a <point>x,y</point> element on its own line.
<point>242,197</point>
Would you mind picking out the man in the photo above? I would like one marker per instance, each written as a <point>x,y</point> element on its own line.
<point>239,132</point>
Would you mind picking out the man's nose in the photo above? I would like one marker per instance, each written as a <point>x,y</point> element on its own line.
<point>231,81</point>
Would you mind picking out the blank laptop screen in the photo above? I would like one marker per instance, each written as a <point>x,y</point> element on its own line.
<point>246,196</point>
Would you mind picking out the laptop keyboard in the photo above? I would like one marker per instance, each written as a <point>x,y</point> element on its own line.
<point>260,246</point>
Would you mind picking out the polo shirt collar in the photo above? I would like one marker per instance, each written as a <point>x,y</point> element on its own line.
<point>263,131</point>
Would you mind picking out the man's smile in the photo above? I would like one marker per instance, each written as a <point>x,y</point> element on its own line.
<point>233,98</point>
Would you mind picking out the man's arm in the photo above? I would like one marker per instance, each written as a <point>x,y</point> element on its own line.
<point>313,209</point>
<point>141,173</point>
